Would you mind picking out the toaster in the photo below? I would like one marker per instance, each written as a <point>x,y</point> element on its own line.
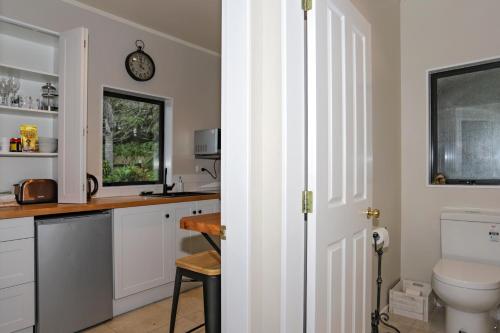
<point>32,191</point>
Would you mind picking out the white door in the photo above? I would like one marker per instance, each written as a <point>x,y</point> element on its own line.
<point>340,168</point>
<point>72,161</point>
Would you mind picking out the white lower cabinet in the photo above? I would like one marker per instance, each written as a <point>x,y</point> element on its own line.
<point>17,262</point>
<point>191,242</point>
<point>146,242</point>
<point>183,237</point>
<point>17,307</point>
<point>198,242</point>
<point>143,240</point>
<point>17,275</point>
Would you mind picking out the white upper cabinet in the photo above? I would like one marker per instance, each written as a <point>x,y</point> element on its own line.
<point>72,164</point>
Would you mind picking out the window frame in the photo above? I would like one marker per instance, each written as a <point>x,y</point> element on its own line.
<point>151,100</point>
<point>433,77</point>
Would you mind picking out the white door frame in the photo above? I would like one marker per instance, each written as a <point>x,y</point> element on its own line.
<point>235,166</point>
<point>293,110</point>
<point>236,143</point>
<point>236,162</point>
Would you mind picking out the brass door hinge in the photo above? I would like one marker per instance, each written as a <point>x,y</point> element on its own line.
<point>307,202</point>
<point>223,232</point>
<point>307,5</point>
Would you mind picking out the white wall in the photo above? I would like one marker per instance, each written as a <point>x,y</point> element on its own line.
<point>436,34</point>
<point>383,16</point>
<point>190,76</point>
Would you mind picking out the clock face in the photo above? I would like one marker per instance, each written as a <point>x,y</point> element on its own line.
<point>140,66</point>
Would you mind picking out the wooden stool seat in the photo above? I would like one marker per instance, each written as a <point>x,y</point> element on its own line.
<point>206,263</point>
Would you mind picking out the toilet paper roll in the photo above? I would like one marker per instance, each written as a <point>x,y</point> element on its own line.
<point>383,236</point>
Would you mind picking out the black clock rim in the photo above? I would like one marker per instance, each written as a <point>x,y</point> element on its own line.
<point>131,74</point>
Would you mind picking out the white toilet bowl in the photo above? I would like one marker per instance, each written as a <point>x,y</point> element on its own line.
<point>470,292</point>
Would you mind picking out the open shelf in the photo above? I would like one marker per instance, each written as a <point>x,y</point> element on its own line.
<point>4,109</point>
<point>28,74</point>
<point>9,154</point>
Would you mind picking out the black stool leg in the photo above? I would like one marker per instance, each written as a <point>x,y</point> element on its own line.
<point>212,303</point>
<point>175,300</point>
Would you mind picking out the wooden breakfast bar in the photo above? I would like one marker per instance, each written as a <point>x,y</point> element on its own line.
<point>207,224</point>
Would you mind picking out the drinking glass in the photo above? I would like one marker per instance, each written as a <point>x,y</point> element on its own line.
<point>4,91</point>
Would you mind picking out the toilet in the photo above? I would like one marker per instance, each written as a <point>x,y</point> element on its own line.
<point>467,277</point>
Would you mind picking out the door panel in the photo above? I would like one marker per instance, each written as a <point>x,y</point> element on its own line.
<point>339,168</point>
<point>198,242</point>
<point>72,123</point>
<point>336,286</point>
<point>183,246</point>
<point>142,239</point>
<point>336,108</point>
<point>359,113</point>
<point>359,261</point>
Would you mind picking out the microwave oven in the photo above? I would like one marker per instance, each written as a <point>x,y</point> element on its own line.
<point>207,143</point>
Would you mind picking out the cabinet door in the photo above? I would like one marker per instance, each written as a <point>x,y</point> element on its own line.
<point>17,262</point>
<point>183,245</point>
<point>17,307</point>
<point>168,213</point>
<point>198,242</point>
<point>142,239</point>
<point>72,124</point>
<point>208,206</point>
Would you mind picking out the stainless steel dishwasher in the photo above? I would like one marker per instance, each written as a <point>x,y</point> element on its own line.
<point>74,272</point>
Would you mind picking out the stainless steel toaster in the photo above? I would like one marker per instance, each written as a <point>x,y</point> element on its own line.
<point>32,191</point>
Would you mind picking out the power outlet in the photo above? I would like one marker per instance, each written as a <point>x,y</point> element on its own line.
<point>197,169</point>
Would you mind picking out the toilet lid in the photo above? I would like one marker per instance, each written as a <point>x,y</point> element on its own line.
<point>468,275</point>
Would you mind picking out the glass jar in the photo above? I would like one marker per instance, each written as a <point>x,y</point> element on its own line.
<point>49,97</point>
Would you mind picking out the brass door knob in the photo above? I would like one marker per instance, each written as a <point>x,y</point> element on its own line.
<point>372,213</point>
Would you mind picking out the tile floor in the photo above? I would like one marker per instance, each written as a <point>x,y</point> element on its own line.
<point>155,318</point>
<point>407,325</point>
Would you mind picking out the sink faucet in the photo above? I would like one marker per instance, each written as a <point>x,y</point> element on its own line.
<point>167,187</point>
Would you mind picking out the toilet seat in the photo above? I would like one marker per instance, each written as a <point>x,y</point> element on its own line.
<point>468,275</point>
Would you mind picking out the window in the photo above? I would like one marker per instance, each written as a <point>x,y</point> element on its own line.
<point>465,124</point>
<point>133,140</point>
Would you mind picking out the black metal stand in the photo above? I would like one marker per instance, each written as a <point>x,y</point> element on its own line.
<point>210,240</point>
<point>377,317</point>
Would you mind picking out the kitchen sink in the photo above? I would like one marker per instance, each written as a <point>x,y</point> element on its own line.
<point>176,194</point>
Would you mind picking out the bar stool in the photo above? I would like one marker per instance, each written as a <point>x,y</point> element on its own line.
<point>203,267</point>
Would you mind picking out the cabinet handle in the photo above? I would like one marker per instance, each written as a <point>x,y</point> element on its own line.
<point>194,212</point>
<point>199,212</point>
<point>167,216</point>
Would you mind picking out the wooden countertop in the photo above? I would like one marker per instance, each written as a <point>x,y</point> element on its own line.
<point>95,204</point>
<point>207,223</point>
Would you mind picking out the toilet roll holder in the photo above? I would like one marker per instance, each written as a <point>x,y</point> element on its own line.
<point>378,317</point>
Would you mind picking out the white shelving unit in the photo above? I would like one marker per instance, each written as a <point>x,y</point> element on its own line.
<point>4,109</point>
<point>28,74</point>
<point>30,55</point>
<point>34,155</point>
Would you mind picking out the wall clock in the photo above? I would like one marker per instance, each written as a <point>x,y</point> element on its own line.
<point>140,66</point>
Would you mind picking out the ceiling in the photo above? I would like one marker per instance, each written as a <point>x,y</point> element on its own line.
<point>195,21</point>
